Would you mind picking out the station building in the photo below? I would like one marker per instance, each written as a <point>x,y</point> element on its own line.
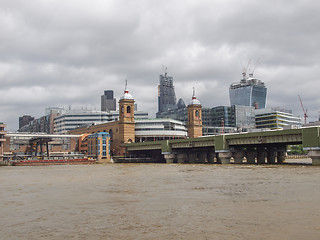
<point>121,131</point>
<point>127,129</point>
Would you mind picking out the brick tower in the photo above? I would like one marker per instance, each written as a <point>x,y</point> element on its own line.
<point>126,120</point>
<point>194,117</point>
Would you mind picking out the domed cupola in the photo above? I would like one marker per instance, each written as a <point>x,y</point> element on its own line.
<point>126,95</point>
<point>194,100</point>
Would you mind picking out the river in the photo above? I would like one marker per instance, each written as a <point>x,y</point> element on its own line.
<point>160,201</point>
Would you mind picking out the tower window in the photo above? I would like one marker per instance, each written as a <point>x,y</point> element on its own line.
<point>128,109</point>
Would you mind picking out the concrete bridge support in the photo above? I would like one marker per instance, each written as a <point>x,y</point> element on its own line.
<point>192,157</point>
<point>261,156</point>
<point>271,156</point>
<point>182,157</point>
<point>224,157</point>
<point>203,157</point>
<point>216,158</point>
<point>238,157</point>
<point>169,157</point>
<point>281,156</point>
<point>315,156</point>
<point>251,157</point>
<point>211,156</point>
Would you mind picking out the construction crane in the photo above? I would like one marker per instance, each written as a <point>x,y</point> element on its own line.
<point>255,65</point>
<point>304,111</point>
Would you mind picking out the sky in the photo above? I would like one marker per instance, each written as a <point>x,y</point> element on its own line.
<point>66,53</point>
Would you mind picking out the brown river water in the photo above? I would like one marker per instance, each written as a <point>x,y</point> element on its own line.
<point>160,201</point>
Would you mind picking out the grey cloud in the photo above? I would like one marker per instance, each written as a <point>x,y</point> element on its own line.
<point>68,52</point>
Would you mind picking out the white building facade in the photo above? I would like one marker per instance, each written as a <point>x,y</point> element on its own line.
<point>72,119</point>
<point>159,129</point>
<point>273,118</point>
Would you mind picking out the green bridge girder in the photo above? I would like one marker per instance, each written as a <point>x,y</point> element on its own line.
<point>308,137</point>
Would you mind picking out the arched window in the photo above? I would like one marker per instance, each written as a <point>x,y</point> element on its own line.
<point>122,109</point>
<point>197,114</point>
<point>111,135</point>
<point>128,109</point>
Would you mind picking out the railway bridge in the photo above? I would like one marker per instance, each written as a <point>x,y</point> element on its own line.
<point>256,147</point>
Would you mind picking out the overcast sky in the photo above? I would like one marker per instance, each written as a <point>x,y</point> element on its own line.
<point>60,53</point>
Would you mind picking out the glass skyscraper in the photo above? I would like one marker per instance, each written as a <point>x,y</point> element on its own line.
<point>248,92</point>
<point>166,94</point>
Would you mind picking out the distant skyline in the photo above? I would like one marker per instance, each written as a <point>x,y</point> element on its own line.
<point>55,53</point>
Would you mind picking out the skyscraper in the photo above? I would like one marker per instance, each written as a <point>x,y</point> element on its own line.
<point>108,103</point>
<point>24,120</point>
<point>248,92</point>
<point>166,94</point>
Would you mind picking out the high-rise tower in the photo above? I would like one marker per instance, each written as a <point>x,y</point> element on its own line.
<point>108,102</point>
<point>194,117</point>
<point>248,92</point>
<point>166,94</point>
<point>24,120</point>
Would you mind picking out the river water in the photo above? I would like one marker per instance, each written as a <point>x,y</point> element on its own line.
<point>160,201</point>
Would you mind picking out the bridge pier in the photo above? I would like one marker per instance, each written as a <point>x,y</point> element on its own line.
<point>281,156</point>
<point>238,157</point>
<point>211,156</point>
<point>182,157</point>
<point>192,157</point>
<point>271,157</point>
<point>261,156</point>
<point>314,154</point>
<point>169,157</point>
<point>224,157</point>
<point>203,157</point>
<point>251,157</point>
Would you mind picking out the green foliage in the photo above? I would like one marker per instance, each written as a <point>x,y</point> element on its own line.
<point>296,150</point>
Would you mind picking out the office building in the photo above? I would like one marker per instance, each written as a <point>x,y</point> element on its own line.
<point>2,139</point>
<point>159,129</point>
<point>25,120</point>
<point>99,146</point>
<point>221,119</point>
<point>72,119</point>
<point>166,94</point>
<point>275,118</point>
<point>248,92</point>
<point>108,102</point>
<point>43,124</point>
<point>177,114</point>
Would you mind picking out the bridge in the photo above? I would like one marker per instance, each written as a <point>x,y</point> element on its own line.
<point>257,147</point>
